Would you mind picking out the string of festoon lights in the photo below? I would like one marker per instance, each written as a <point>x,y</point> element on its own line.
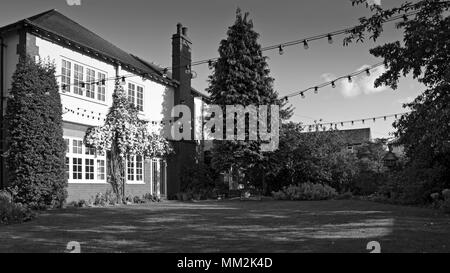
<point>89,114</point>
<point>304,41</point>
<point>335,124</point>
<point>332,83</point>
<point>280,47</point>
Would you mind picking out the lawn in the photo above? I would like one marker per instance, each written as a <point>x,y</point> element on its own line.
<point>234,226</point>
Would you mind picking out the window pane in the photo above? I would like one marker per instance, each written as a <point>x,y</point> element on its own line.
<point>101,87</point>
<point>89,169</point>
<point>90,85</point>
<point>130,168</point>
<point>140,98</point>
<point>131,93</point>
<point>139,168</point>
<point>78,79</point>
<point>77,146</point>
<point>101,169</point>
<point>66,71</point>
<point>77,168</point>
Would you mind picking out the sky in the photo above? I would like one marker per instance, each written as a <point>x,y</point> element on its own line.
<point>145,28</point>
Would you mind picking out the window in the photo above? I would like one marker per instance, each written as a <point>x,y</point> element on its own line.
<point>100,169</point>
<point>140,98</point>
<point>67,141</point>
<point>139,168</point>
<point>66,71</point>
<point>83,80</point>
<point>89,169</point>
<point>90,85</point>
<point>136,96</point>
<point>84,164</point>
<point>101,87</point>
<point>130,168</point>
<point>78,79</point>
<point>77,146</point>
<point>77,171</point>
<point>131,92</point>
<point>67,167</point>
<point>135,169</point>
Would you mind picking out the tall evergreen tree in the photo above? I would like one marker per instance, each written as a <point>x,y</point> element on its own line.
<point>240,77</point>
<point>36,154</point>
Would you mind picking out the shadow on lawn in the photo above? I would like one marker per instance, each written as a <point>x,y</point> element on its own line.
<point>233,226</point>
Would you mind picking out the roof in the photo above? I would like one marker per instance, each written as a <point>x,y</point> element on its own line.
<point>355,136</point>
<point>350,136</point>
<point>54,22</point>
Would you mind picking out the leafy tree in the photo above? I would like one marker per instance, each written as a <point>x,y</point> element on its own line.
<point>122,135</point>
<point>241,77</point>
<point>316,157</point>
<point>424,52</point>
<point>36,154</point>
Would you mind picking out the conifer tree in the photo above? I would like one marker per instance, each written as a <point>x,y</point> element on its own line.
<point>36,154</point>
<point>241,77</point>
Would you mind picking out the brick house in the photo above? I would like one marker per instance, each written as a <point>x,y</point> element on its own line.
<point>82,57</point>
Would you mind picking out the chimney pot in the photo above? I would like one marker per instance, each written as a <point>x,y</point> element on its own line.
<point>179,27</point>
<point>184,31</point>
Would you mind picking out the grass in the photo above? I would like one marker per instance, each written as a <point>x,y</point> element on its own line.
<point>234,226</point>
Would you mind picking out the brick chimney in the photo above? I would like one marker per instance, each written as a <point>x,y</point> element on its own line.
<point>185,150</point>
<point>181,59</point>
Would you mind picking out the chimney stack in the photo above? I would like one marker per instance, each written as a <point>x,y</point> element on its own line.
<point>185,150</point>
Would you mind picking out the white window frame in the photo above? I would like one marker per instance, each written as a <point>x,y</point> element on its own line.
<point>133,97</point>
<point>84,74</point>
<point>83,156</point>
<point>66,74</point>
<point>133,163</point>
<point>90,83</point>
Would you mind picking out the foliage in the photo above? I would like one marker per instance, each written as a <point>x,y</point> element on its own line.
<point>318,157</point>
<point>124,134</point>
<point>36,154</point>
<point>241,77</point>
<point>199,181</point>
<point>424,52</point>
<point>11,212</point>
<point>371,170</point>
<point>305,191</point>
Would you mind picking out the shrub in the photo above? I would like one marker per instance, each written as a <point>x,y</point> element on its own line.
<point>148,197</point>
<point>11,212</point>
<point>305,191</point>
<point>36,154</point>
<point>100,199</point>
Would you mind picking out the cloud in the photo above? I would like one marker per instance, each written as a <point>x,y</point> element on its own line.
<point>374,2</point>
<point>73,2</point>
<point>361,84</point>
<point>406,100</point>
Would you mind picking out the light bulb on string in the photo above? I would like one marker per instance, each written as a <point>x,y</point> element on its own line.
<point>103,81</point>
<point>305,44</point>
<point>384,118</point>
<point>333,84</point>
<point>188,69</point>
<point>349,79</point>
<point>280,50</point>
<point>165,70</point>
<point>374,120</point>
<point>302,95</point>
<point>316,90</point>
<point>210,64</point>
<point>368,72</point>
<point>123,80</point>
<point>330,39</point>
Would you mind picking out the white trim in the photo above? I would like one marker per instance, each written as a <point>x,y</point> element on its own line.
<point>83,156</point>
